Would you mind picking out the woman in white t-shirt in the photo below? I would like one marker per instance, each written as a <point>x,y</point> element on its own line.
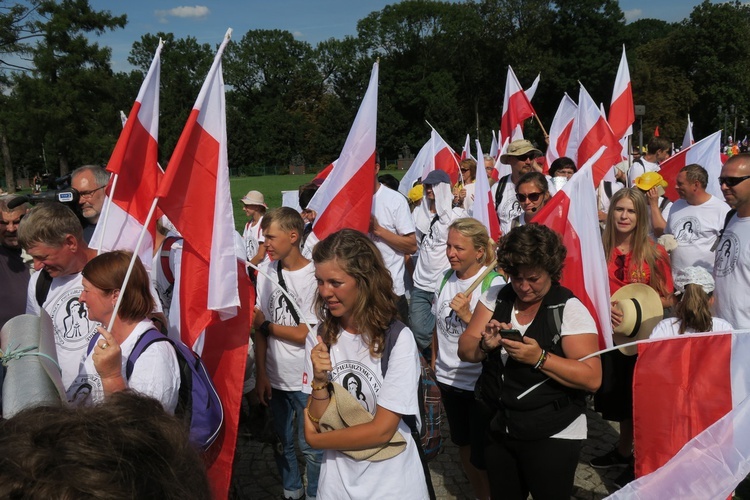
<point>355,307</point>
<point>156,372</point>
<point>470,250</point>
<point>693,287</point>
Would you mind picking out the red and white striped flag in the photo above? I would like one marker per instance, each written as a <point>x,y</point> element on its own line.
<point>466,152</point>
<point>572,213</point>
<point>688,140</point>
<point>691,417</point>
<point>516,107</point>
<point>441,157</point>
<point>415,170</point>
<point>706,153</point>
<point>483,209</point>
<point>136,175</point>
<point>323,174</point>
<point>594,132</point>
<point>345,198</point>
<point>494,147</point>
<point>622,109</point>
<point>561,130</point>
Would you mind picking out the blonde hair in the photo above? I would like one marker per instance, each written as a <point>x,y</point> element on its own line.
<point>477,233</point>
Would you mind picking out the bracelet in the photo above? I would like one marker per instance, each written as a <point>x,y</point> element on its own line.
<point>320,399</point>
<point>483,349</point>
<point>265,328</point>
<point>542,359</point>
<point>318,387</point>
<point>313,419</point>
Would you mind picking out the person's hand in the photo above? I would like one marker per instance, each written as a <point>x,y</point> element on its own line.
<point>460,304</point>
<point>653,197</point>
<point>491,334</point>
<point>321,361</point>
<point>537,167</point>
<point>107,356</point>
<point>263,388</point>
<point>461,194</point>
<point>527,351</point>
<point>258,318</point>
<point>616,314</point>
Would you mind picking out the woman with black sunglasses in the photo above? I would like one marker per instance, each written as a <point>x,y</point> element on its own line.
<point>632,257</point>
<point>532,193</point>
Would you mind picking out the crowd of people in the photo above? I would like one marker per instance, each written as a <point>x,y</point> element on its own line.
<point>339,327</point>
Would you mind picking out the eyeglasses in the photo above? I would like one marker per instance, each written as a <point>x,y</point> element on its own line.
<point>526,157</point>
<point>732,181</point>
<point>533,197</point>
<point>464,170</point>
<point>87,194</point>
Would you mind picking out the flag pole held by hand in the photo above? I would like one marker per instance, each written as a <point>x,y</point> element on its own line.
<point>481,277</point>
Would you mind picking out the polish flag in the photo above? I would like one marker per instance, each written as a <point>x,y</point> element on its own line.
<point>691,417</point>
<point>622,109</point>
<point>494,147</point>
<point>345,198</point>
<point>516,107</point>
<point>561,129</point>
<point>706,153</point>
<point>416,168</point>
<point>688,140</point>
<point>323,174</point>
<point>136,175</point>
<point>466,152</point>
<point>594,132</point>
<point>483,209</point>
<point>656,131</point>
<point>572,213</point>
<point>441,157</point>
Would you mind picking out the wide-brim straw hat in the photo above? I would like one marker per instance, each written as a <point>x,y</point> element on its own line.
<point>642,310</point>
<point>519,147</point>
<point>254,198</point>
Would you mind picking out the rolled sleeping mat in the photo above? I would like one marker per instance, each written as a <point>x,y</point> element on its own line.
<point>32,374</point>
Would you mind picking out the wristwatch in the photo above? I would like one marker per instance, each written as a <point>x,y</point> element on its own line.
<point>265,328</point>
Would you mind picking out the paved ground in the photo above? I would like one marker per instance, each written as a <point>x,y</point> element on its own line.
<point>255,476</point>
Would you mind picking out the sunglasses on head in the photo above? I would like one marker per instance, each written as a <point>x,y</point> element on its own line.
<point>533,197</point>
<point>732,181</point>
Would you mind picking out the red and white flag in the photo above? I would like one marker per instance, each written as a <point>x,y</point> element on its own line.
<point>136,175</point>
<point>688,140</point>
<point>561,130</point>
<point>622,109</point>
<point>594,132</point>
<point>706,153</point>
<point>323,174</point>
<point>441,157</point>
<point>466,152</point>
<point>516,107</point>
<point>483,209</point>
<point>572,213</point>
<point>691,417</point>
<point>345,198</point>
<point>494,147</point>
<point>416,168</point>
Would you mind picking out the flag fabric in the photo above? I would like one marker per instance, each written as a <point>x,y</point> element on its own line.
<point>656,131</point>
<point>573,214</point>
<point>622,109</point>
<point>323,174</point>
<point>531,91</point>
<point>442,157</point>
<point>691,417</point>
<point>688,140</point>
<point>516,108</point>
<point>136,175</point>
<point>561,129</point>
<point>502,169</point>
<point>706,153</point>
<point>483,209</point>
<point>345,198</point>
<point>415,169</point>
<point>594,132</point>
<point>195,195</point>
<point>466,152</point>
<point>494,148</point>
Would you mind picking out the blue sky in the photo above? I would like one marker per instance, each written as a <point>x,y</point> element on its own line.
<point>309,20</point>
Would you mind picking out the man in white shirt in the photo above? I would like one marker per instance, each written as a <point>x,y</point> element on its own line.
<point>696,220</point>
<point>656,152</point>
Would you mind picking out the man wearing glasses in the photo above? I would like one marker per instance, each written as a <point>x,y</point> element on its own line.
<point>732,264</point>
<point>90,181</point>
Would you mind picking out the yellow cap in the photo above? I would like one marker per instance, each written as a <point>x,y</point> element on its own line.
<point>416,193</point>
<point>650,180</point>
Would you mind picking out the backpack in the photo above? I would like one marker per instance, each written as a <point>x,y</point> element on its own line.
<point>501,190</point>
<point>198,404</point>
<point>727,218</point>
<point>429,440</point>
<point>486,282</point>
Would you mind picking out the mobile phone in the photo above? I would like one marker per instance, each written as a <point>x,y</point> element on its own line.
<point>513,335</point>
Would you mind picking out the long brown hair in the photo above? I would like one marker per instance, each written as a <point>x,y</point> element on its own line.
<point>375,307</point>
<point>693,310</point>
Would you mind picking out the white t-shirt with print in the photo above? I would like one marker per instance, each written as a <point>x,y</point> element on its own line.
<point>732,274</point>
<point>156,373</point>
<point>285,359</point>
<point>640,167</point>
<point>696,228</point>
<point>342,477</point>
<point>432,258</point>
<point>253,237</point>
<point>449,369</point>
<point>670,327</point>
<point>392,211</point>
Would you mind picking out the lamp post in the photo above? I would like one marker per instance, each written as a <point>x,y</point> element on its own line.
<point>640,111</point>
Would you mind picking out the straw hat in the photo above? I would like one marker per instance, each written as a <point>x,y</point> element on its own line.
<point>254,198</point>
<point>642,310</point>
<point>519,148</point>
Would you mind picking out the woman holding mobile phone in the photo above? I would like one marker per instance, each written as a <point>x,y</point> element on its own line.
<point>539,435</point>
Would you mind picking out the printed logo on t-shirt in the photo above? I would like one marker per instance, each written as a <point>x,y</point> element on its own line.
<point>279,308</point>
<point>510,208</point>
<point>687,229</point>
<point>360,381</point>
<point>73,328</point>
<point>727,255</point>
<point>80,390</point>
<point>450,324</point>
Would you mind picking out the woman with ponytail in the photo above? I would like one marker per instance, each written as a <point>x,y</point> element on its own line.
<point>694,287</point>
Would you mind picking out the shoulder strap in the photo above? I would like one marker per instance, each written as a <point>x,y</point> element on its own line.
<point>166,248</point>
<point>487,281</point>
<point>145,340</point>
<point>391,337</point>
<point>608,189</point>
<point>728,217</point>
<point>43,284</point>
<point>92,343</point>
<point>446,276</point>
<point>282,284</point>
<point>501,190</point>
<point>664,203</point>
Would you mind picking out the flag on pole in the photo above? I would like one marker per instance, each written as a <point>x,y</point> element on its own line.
<point>594,132</point>
<point>494,147</point>
<point>323,174</point>
<point>345,198</point>
<point>136,175</point>
<point>441,157</point>
<point>516,108</point>
<point>688,140</point>
<point>531,91</point>
<point>706,153</point>
<point>691,417</point>
<point>483,209</point>
<point>561,129</point>
<point>622,109</point>
<point>656,131</point>
<point>415,169</point>
<point>573,214</point>
<point>466,152</point>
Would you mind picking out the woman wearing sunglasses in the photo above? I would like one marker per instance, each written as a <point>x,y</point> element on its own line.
<point>532,193</point>
<point>463,191</point>
<point>632,257</point>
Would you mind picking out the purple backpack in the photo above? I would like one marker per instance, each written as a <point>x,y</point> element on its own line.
<point>198,404</point>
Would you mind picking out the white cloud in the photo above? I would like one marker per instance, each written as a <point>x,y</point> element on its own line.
<point>298,34</point>
<point>632,15</point>
<point>197,12</point>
